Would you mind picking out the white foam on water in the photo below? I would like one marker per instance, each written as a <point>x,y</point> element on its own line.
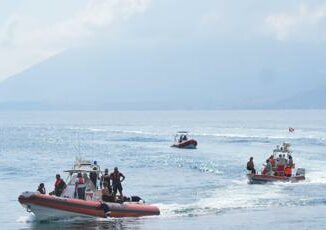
<point>26,219</point>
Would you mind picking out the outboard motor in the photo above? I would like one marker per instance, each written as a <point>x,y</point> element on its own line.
<point>301,172</point>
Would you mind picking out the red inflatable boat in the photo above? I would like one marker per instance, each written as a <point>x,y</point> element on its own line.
<point>262,179</point>
<point>46,207</point>
<point>52,207</point>
<point>182,141</point>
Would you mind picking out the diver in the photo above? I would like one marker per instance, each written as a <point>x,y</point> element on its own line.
<point>106,179</point>
<point>41,189</point>
<point>251,166</point>
<point>80,187</point>
<point>116,181</point>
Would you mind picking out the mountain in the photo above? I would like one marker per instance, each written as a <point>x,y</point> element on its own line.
<point>313,99</point>
<point>137,76</point>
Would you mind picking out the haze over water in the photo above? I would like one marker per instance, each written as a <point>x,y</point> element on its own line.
<point>204,188</point>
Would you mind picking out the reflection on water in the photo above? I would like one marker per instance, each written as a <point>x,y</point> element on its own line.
<point>80,224</point>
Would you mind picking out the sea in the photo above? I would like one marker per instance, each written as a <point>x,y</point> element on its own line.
<point>204,188</point>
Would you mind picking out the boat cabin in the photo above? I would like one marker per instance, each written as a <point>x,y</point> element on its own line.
<point>85,168</point>
<point>181,136</point>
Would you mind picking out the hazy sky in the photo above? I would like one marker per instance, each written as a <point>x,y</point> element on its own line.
<point>32,31</point>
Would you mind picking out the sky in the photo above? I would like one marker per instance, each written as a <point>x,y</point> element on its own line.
<point>32,31</point>
<point>245,49</point>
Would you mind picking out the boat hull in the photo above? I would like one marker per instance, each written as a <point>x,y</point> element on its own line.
<point>189,144</point>
<point>262,179</point>
<point>46,207</point>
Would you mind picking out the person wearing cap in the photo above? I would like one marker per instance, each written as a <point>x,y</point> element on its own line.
<point>117,177</point>
<point>59,186</point>
<point>251,166</point>
<point>80,187</point>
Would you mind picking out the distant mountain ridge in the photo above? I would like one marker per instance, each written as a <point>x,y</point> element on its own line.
<point>156,77</point>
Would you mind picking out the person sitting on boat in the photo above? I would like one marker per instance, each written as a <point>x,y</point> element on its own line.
<point>185,138</point>
<point>93,177</point>
<point>59,186</point>
<point>269,168</point>
<point>106,179</point>
<point>116,181</point>
<point>288,171</point>
<point>41,189</point>
<point>251,166</point>
<point>80,187</point>
<point>107,195</point>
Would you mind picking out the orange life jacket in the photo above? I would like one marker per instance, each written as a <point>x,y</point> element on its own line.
<point>288,171</point>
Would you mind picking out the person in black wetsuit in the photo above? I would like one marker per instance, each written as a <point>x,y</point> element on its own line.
<point>105,178</point>
<point>41,189</point>
<point>251,166</point>
<point>116,181</point>
<point>93,177</point>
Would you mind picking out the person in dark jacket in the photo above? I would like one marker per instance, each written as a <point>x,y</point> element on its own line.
<point>116,181</point>
<point>59,186</point>
<point>105,178</point>
<point>41,189</point>
<point>251,166</point>
<point>93,176</point>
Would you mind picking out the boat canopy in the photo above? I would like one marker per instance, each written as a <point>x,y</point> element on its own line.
<point>182,132</point>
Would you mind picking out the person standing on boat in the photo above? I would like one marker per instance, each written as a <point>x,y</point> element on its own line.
<point>269,168</point>
<point>105,178</point>
<point>80,187</point>
<point>59,186</point>
<point>116,181</point>
<point>251,166</point>
<point>93,177</point>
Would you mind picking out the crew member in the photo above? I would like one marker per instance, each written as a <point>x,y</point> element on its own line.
<point>41,189</point>
<point>93,177</point>
<point>80,187</point>
<point>107,195</point>
<point>290,162</point>
<point>288,171</point>
<point>59,186</point>
<point>280,165</point>
<point>106,179</point>
<point>269,168</point>
<point>251,166</point>
<point>116,181</point>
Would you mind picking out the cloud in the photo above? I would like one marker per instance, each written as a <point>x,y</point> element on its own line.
<point>304,23</point>
<point>26,41</point>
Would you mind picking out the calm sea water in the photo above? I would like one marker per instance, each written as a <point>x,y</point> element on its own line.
<point>204,188</point>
